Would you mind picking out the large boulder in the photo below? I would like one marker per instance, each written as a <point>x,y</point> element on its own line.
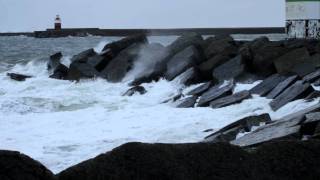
<point>284,160</point>
<point>184,41</point>
<point>80,68</point>
<point>207,67</point>
<point>190,76</point>
<point>121,64</point>
<point>18,77</point>
<point>138,161</point>
<point>151,64</point>
<point>54,61</point>
<point>296,61</point>
<point>221,45</point>
<point>183,60</point>
<point>60,72</point>
<point>312,76</point>
<point>16,166</point>
<point>230,70</point>
<point>114,48</point>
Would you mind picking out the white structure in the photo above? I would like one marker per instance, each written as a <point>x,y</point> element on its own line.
<point>303,18</point>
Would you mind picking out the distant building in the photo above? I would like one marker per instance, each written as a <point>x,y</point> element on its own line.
<point>303,18</point>
<point>57,23</point>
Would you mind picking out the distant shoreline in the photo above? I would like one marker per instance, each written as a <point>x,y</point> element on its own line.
<point>81,32</point>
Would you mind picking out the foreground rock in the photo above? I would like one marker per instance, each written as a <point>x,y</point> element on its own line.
<point>137,161</point>
<point>16,166</point>
<point>18,77</point>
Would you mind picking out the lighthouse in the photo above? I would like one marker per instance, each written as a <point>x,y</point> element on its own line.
<point>303,19</point>
<point>57,23</point>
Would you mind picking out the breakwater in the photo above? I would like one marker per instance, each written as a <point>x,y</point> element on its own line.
<point>80,32</point>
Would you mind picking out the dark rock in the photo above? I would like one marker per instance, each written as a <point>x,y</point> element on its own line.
<point>312,76</point>
<point>98,62</point>
<point>201,89</point>
<point>152,64</point>
<point>267,85</point>
<point>230,70</point>
<point>187,102</point>
<point>207,67</point>
<point>296,91</point>
<point>229,100</point>
<point>309,126</point>
<point>121,64</point>
<point>292,62</point>
<point>60,72</point>
<point>184,41</point>
<point>137,89</point>
<point>113,49</point>
<point>182,61</point>
<point>222,45</point>
<point>54,61</point>
<point>215,92</point>
<point>80,68</point>
<point>313,95</point>
<point>279,130</point>
<point>137,161</point>
<point>261,52</point>
<point>174,98</point>
<point>83,56</point>
<point>282,86</point>
<point>230,132</point>
<point>286,160</point>
<point>190,76</point>
<point>18,77</point>
<point>16,166</point>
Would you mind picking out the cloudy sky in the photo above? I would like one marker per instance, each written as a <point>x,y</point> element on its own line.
<point>29,15</point>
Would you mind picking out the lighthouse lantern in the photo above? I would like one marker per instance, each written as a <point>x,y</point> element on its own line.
<point>303,19</point>
<point>57,23</point>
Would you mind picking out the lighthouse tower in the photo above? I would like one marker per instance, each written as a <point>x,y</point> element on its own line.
<point>303,19</point>
<point>57,23</point>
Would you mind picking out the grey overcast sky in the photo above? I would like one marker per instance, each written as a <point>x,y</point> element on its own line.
<point>29,15</point>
